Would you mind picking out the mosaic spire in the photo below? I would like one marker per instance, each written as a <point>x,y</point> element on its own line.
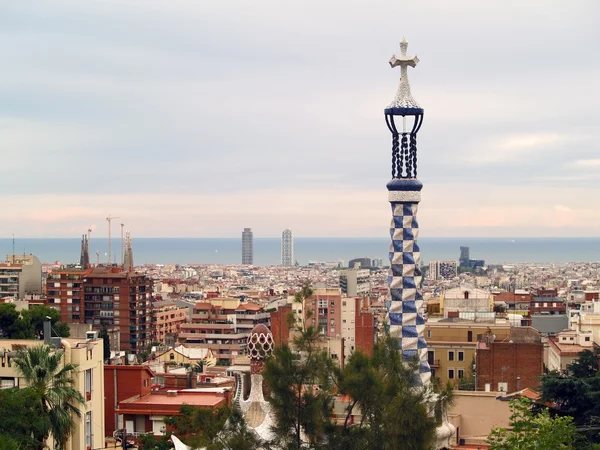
<point>405,305</point>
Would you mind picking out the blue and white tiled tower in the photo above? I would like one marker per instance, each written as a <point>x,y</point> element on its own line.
<point>405,308</point>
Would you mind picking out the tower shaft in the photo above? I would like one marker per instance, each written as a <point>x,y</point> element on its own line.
<point>405,311</point>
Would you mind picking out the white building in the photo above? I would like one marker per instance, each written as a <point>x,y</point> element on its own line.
<point>355,282</point>
<point>466,300</point>
<point>20,277</point>
<point>287,248</point>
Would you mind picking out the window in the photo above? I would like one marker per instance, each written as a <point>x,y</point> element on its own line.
<point>460,373</point>
<point>88,384</point>
<point>172,356</point>
<point>470,336</point>
<point>587,339</point>
<point>88,429</point>
<point>461,356</point>
<point>451,374</point>
<point>7,382</point>
<point>451,355</point>
<point>428,334</point>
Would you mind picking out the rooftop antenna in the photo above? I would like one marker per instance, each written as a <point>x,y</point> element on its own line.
<point>108,219</point>
<point>97,257</point>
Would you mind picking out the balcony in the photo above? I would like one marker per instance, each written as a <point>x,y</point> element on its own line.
<point>434,363</point>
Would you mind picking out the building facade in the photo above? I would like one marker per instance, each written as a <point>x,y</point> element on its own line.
<point>223,326</point>
<point>104,297</point>
<point>122,300</point>
<point>442,270</point>
<point>167,319</point>
<point>287,248</point>
<point>323,310</point>
<point>64,292</point>
<point>511,364</point>
<point>247,247</point>
<point>88,378</point>
<point>355,282</point>
<point>466,300</point>
<point>21,277</point>
<point>452,346</point>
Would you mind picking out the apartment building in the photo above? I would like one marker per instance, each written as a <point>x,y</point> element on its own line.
<point>167,319</point>
<point>20,277</point>
<point>355,281</point>
<point>64,292</point>
<point>223,326</point>
<point>88,379</point>
<point>358,325</point>
<point>323,310</point>
<point>104,297</point>
<point>122,300</point>
<point>452,346</point>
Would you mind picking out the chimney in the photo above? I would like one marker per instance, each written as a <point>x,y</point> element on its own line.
<point>48,339</point>
<point>47,330</point>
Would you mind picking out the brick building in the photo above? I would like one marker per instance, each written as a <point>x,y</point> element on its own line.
<point>64,292</point>
<point>323,310</point>
<point>121,383</point>
<point>280,327</point>
<point>104,297</point>
<point>511,364</point>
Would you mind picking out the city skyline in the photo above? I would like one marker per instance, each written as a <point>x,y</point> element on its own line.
<point>126,109</point>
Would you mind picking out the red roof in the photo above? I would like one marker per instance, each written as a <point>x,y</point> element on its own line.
<point>249,307</point>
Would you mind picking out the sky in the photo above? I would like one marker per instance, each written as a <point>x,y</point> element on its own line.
<point>199,118</point>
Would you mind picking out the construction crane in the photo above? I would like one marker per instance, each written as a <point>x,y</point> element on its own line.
<point>109,219</point>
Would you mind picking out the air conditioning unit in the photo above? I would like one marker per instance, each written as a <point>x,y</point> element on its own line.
<point>91,335</point>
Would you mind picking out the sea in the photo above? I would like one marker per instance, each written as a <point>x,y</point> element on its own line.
<point>267,251</point>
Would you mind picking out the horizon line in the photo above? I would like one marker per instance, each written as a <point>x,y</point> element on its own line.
<point>310,237</point>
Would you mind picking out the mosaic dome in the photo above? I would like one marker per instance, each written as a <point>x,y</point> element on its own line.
<point>260,342</point>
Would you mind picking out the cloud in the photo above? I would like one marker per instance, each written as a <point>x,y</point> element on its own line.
<point>586,163</point>
<point>193,119</point>
<point>511,148</point>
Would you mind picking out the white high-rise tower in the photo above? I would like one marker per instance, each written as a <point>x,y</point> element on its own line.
<point>287,248</point>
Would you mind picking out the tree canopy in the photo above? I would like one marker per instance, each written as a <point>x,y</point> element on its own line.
<point>533,431</point>
<point>29,323</point>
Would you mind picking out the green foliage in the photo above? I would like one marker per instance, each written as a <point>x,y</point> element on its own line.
<point>384,387</point>
<point>42,368</point>
<point>578,396</point>
<point>499,308</point>
<point>105,343</point>
<point>151,442</point>
<point>213,429</point>
<point>29,324</point>
<point>23,423</point>
<point>467,383</point>
<point>36,316</point>
<point>586,366</point>
<point>300,382</point>
<point>529,431</point>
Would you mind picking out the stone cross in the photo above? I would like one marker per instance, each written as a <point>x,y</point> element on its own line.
<point>403,96</point>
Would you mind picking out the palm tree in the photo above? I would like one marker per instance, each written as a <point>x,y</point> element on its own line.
<point>41,367</point>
